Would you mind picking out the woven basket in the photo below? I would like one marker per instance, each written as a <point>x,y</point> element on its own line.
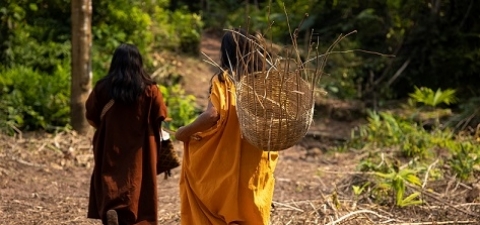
<point>274,109</point>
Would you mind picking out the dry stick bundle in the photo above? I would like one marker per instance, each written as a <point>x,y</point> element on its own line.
<point>275,94</point>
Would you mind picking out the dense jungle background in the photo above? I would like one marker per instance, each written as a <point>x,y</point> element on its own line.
<point>395,138</point>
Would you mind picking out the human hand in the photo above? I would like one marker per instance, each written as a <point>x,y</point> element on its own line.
<point>196,137</point>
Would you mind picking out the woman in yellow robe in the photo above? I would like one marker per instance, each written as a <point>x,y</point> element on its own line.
<point>225,180</point>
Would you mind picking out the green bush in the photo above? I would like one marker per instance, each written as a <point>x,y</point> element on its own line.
<point>398,152</point>
<point>464,159</point>
<point>181,106</point>
<point>33,100</point>
<point>35,51</point>
<point>188,27</point>
<point>115,22</point>
<point>148,25</point>
<point>408,151</point>
<point>177,30</point>
<point>35,37</point>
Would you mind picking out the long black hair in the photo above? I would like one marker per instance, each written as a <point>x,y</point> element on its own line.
<point>126,77</point>
<point>240,53</point>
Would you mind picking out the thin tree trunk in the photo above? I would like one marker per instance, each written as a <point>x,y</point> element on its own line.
<point>247,15</point>
<point>81,63</point>
<point>436,4</point>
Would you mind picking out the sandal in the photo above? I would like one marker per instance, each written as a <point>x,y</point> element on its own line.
<point>112,217</point>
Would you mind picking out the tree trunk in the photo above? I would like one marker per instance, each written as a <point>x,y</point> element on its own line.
<point>247,15</point>
<point>81,63</point>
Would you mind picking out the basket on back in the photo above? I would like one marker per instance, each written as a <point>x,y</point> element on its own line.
<point>274,96</point>
<point>274,110</point>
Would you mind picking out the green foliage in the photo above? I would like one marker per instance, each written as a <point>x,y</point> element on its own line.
<point>217,14</point>
<point>359,190</point>
<point>32,100</point>
<point>181,107</point>
<point>465,158</point>
<point>390,141</point>
<point>179,31</point>
<point>27,37</point>
<point>188,28</point>
<point>38,34</point>
<point>430,98</point>
<point>35,50</point>
<point>396,181</point>
<point>115,22</point>
<point>413,142</point>
<point>439,44</point>
<point>150,25</point>
<point>386,130</point>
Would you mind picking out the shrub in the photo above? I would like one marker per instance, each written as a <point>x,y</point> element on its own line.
<point>32,100</point>
<point>181,107</point>
<point>399,151</point>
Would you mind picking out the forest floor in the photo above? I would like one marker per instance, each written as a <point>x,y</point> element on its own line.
<point>44,178</point>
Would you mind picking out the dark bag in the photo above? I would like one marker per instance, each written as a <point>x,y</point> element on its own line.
<point>167,157</point>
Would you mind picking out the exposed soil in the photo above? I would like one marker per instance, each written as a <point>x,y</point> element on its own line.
<point>44,178</point>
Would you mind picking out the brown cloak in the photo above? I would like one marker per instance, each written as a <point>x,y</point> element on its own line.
<point>124,148</point>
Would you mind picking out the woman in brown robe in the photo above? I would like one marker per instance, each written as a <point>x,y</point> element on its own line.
<point>123,187</point>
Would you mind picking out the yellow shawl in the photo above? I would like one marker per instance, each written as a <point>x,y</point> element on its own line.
<point>225,179</point>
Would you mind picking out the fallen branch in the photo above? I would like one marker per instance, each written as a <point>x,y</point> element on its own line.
<point>356,213</point>
<point>442,206</point>
<point>427,173</point>
<point>431,195</point>
<point>315,209</point>
<point>346,172</point>
<point>21,161</point>
<point>288,206</point>
<point>439,223</point>
<point>398,73</point>
<point>381,210</point>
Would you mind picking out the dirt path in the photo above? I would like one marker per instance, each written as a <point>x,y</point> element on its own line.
<point>44,179</point>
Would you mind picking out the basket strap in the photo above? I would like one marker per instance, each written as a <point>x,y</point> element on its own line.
<point>106,108</point>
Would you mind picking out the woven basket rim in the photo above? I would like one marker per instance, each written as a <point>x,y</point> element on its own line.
<point>283,119</point>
